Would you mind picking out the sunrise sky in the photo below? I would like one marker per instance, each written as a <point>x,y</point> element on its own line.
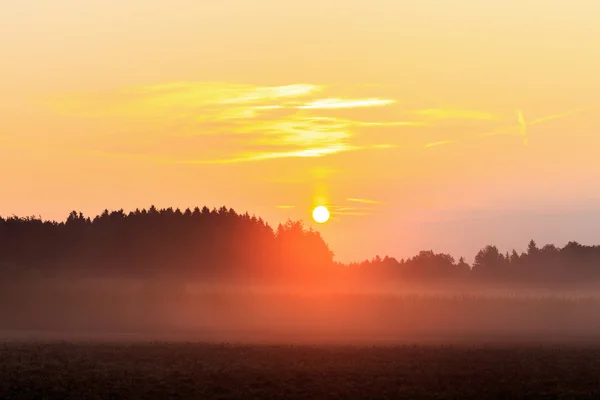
<point>428,124</point>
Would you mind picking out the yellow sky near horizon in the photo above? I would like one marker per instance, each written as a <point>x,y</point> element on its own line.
<point>422,124</point>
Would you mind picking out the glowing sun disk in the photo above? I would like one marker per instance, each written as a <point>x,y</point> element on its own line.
<point>321,214</point>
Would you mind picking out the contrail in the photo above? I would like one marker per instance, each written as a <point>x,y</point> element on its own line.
<point>523,125</point>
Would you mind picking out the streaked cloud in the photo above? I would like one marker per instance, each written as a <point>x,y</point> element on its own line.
<point>556,116</point>
<point>364,201</point>
<point>353,213</point>
<point>269,155</point>
<point>179,99</point>
<point>272,93</point>
<point>339,208</point>
<point>442,113</point>
<point>285,207</point>
<point>440,143</point>
<point>355,207</point>
<point>277,121</point>
<point>346,103</point>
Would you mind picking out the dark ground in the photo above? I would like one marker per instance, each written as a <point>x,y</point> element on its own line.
<point>203,371</point>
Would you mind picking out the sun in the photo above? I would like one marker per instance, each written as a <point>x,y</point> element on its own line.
<point>321,214</point>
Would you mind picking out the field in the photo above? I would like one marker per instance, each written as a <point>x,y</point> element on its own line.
<point>160,370</point>
<point>83,342</point>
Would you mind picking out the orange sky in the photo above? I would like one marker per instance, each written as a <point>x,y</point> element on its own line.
<point>442,125</point>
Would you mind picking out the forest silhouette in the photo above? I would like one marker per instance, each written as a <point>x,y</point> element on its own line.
<point>220,245</point>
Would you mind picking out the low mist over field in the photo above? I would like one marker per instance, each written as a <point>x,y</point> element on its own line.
<point>218,275</point>
<point>66,309</point>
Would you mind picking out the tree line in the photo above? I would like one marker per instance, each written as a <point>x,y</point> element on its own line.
<point>222,245</point>
<point>195,244</point>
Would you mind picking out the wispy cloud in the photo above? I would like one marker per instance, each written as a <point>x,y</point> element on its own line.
<point>191,101</point>
<point>341,208</point>
<point>440,143</point>
<point>556,116</point>
<point>305,153</point>
<point>272,93</point>
<point>285,207</point>
<point>364,201</point>
<point>346,103</point>
<point>276,120</point>
<point>355,207</point>
<point>353,213</point>
<point>443,113</point>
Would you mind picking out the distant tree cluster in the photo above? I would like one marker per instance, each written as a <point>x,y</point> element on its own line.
<point>220,244</point>
<point>425,267</point>
<point>549,266</point>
